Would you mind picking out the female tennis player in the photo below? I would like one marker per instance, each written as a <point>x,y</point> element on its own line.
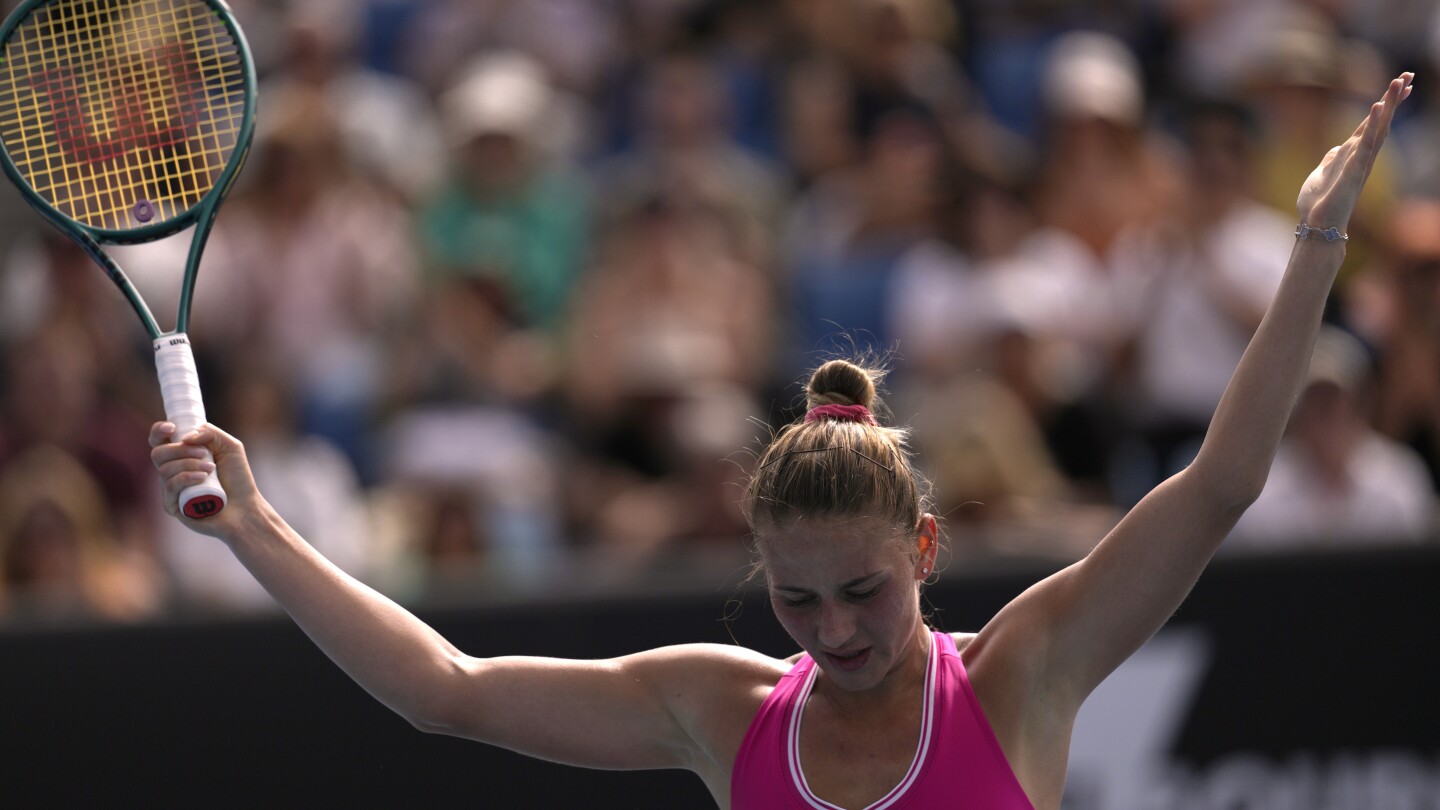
<point>877,711</point>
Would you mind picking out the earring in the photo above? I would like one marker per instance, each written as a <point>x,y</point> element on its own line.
<point>924,570</point>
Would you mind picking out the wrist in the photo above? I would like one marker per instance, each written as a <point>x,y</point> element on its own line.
<point>257,523</point>
<point>1306,232</point>
<point>1319,254</point>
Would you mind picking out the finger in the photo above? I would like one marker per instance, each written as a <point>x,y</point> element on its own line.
<point>1382,133</point>
<point>173,486</point>
<point>1405,82</point>
<point>1364,124</point>
<point>161,433</point>
<point>1382,113</point>
<point>178,483</point>
<point>212,438</point>
<point>1375,123</point>
<point>180,466</point>
<point>1364,134</point>
<point>1390,101</point>
<point>1386,104</point>
<point>1394,93</point>
<point>166,453</point>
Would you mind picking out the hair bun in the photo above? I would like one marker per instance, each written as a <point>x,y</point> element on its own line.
<point>841,382</point>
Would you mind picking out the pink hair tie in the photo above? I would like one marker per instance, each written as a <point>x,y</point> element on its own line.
<point>842,413</point>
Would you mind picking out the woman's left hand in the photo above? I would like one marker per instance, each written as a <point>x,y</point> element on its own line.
<point>1329,195</point>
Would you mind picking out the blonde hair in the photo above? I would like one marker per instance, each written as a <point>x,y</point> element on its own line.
<point>838,467</point>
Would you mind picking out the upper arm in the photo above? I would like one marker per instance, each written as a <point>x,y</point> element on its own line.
<point>1072,629</point>
<point>658,709</point>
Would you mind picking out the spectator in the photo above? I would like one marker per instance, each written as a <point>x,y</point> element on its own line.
<point>1102,173</point>
<point>59,558</point>
<point>576,40</point>
<point>62,391</point>
<point>817,107</point>
<point>1335,480</point>
<point>318,266</point>
<point>489,516</point>
<point>668,347</point>
<point>1397,308</point>
<point>1218,43</point>
<point>846,235</point>
<point>387,126</point>
<point>1202,279</point>
<point>1306,81</point>
<point>514,216</point>
<point>684,154</point>
<point>1419,146</point>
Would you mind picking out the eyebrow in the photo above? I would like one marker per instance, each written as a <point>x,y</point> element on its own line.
<point>844,587</point>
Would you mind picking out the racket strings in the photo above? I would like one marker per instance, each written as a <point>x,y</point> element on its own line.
<point>121,115</point>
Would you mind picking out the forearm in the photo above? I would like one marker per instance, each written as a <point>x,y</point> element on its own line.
<point>1248,424</point>
<point>394,656</point>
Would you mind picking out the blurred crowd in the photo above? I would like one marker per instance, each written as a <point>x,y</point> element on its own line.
<point>510,292</point>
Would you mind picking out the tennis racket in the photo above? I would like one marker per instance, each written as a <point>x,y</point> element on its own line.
<point>125,121</point>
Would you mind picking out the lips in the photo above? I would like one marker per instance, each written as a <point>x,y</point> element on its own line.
<point>848,662</point>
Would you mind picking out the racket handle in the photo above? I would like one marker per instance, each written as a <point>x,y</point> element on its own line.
<point>180,388</point>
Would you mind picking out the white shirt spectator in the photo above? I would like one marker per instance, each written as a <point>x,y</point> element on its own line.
<point>1386,497</point>
<point>1190,340</point>
<point>943,304</point>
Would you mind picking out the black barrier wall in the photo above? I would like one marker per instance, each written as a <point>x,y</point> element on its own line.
<point>1309,660</point>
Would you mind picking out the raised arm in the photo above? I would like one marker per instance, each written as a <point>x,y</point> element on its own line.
<point>650,710</point>
<point>1077,626</point>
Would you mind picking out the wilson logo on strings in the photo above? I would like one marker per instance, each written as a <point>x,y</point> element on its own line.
<point>148,101</point>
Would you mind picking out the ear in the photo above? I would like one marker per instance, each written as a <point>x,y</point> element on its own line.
<point>927,547</point>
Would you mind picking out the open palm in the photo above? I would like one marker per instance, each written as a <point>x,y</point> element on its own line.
<point>1329,194</point>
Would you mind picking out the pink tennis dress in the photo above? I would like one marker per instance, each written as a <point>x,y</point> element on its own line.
<point>958,763</point>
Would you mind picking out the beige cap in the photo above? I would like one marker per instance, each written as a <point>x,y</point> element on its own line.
<point>506,93</point>
<point>1093,75</point>
<point>1340,359</point>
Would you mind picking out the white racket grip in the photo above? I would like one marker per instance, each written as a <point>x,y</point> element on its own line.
<point>180,388</point>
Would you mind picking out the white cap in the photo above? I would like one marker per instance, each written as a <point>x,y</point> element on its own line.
<point>1093,75</point>
<point>504,93</point>
<point>1340,359</point>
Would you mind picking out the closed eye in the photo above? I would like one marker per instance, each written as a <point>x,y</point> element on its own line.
<point>863,595</point>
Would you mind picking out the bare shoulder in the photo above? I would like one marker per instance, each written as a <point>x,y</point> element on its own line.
<point>701,678</point>
<point>714,691</point>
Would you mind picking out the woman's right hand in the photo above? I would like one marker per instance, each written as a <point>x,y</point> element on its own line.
<point>181,463</point>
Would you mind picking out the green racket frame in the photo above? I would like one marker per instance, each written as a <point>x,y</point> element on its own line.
<point>201,215</point>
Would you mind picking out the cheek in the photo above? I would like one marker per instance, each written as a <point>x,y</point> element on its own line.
<point>797,622</point>
<point>894,610</point>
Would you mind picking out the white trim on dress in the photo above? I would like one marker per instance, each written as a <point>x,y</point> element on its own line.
<point>922,748</point>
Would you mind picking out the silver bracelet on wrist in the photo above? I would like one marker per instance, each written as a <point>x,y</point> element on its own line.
<point>1331,234</point>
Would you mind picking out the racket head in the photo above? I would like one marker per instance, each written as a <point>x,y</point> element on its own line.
<point>127,120</point>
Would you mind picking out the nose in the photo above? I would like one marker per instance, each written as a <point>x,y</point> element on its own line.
<point>836,625</point>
